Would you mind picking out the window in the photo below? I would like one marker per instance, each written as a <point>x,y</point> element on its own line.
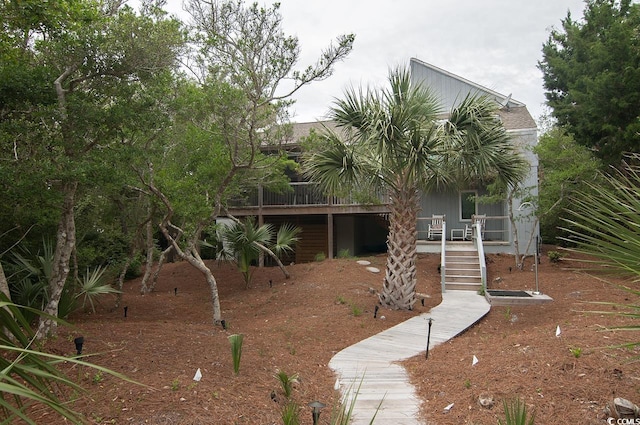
<point>467,204</point>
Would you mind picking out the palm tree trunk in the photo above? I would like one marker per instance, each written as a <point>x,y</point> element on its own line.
<point>399,285</point>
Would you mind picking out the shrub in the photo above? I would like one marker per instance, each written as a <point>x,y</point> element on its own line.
<point>554,256</point>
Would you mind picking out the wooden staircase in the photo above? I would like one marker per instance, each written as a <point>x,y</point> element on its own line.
<point>462,267</point>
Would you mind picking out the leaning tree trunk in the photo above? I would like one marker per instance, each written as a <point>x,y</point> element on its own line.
<point>399,285</point>
<point>190,254</point>
<point>65,243</point>
<point>213,285</point>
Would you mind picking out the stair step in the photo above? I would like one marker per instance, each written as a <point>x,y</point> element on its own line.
<point>463,278</point>
<point>462,268</point>
<point>463,286</point>
<point>471,263</point>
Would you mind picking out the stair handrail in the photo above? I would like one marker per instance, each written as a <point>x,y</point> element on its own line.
<point>443,265</point>
<point>477,241</point>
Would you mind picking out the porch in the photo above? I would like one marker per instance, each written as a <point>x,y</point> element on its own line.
<point>343,217</point>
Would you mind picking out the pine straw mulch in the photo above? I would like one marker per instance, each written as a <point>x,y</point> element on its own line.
<point>296,325</point>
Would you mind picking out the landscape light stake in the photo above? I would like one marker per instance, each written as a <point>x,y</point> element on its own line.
<point>79,341</point>
<point>375,312</point>
<point>426,356</point>
<point>317,407</point>
<point>175,291</point>
<point>125,310</point>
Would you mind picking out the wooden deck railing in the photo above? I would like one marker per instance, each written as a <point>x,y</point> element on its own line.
<point>301,193</point>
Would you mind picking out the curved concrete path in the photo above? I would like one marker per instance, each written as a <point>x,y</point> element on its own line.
<point>371,363</point>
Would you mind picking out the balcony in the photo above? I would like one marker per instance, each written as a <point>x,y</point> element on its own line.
<point>304,197</point>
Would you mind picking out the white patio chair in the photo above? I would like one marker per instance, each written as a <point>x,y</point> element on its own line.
<point>435,227</point>
<point>468,228</point>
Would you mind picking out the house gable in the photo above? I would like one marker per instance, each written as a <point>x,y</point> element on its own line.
<point>451,89</point>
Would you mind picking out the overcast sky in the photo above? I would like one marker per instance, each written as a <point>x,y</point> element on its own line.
<point>494,43</point>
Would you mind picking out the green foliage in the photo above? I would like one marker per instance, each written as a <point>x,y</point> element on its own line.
<point>565,167</point>
<point>554,256</point>
<point>592,79</point>
<point>28,276</point>
<point>286,239</point>
<point>236,351</point>
<point>286,381</point>
<point>91,287</point>
<point>356,310</point>
<point>291,413</point>
<point>604,225</point>
<point>576,352</point>
<point>30,377</point>
<point>604,221</point>
<point>319,257</point>
<point>515,412</point>
<point>344,253</point>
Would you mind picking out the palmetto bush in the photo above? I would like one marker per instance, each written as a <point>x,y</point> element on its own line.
<point>29,377</point>
<point>604,223</point>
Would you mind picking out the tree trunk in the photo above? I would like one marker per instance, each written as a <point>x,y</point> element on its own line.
<point>148,267</point>
<point>399,285</point>
<point>199,264</point>
<point>4,285</point>
<point>191,255</point>
<point>65,243</point>
<point>121,277</point>
<point>161,262</point>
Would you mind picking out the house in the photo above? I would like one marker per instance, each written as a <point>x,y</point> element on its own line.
<point>331,225</point>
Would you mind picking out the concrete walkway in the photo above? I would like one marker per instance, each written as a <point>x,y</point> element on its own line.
<point>371,363</point>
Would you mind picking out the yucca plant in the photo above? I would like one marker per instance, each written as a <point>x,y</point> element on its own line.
<point>27,376</point>
<point>515,413</point>
<point>236,351</point>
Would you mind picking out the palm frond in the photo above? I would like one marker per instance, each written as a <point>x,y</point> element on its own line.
<point>28,376</point>
<point>286,238</point>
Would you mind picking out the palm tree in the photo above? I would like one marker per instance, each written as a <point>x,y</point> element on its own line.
<point>246,240</point>
<point>396,141</point>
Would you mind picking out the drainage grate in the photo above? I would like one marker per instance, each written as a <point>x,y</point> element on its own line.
<point>499,293</point>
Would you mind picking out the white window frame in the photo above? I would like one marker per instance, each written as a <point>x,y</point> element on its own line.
<point>465,194</point>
